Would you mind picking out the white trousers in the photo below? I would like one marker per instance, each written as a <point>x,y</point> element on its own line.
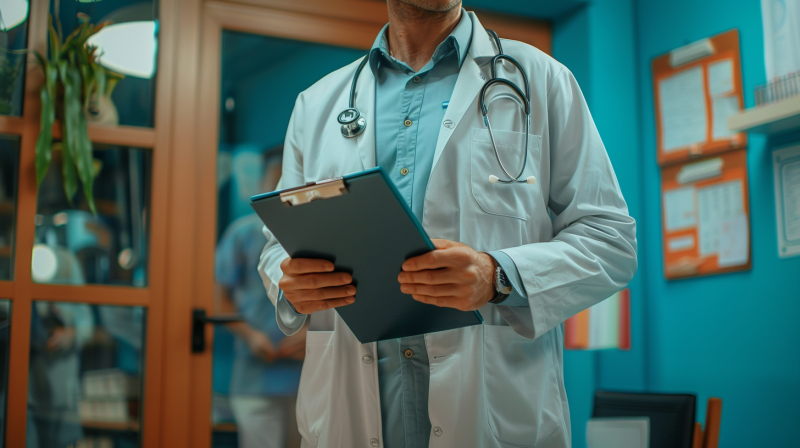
<point>262,421</point>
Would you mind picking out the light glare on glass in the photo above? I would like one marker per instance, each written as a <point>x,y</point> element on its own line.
<point>128,48</point>
<point>12,13</point>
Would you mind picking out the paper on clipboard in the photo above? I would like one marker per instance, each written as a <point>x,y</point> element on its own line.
<point>720,77</point>
<point>683,109</point>
<point>734,242</point>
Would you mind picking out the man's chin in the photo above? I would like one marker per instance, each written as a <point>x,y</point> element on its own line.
<point>433,5</point>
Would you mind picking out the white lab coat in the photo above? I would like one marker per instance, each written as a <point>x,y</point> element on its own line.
<point>570,235</point>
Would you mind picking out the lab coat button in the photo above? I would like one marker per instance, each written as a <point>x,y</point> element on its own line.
<point>438,431</point>
<point>482,77</point>
<point>367,359</point>
<point>448,124</point>
<point>374,442</point>
<point>409,353</point>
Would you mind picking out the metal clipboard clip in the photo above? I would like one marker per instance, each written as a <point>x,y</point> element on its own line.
<point>324,189</point>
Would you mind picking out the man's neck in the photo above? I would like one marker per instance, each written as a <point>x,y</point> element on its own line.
<point>414,33</point>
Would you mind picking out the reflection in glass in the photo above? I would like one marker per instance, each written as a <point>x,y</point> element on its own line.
<point>5,330</point>
<point>9,162</point>
<point>132,101</point>
<point>72,246</point>
<point>256,368</point>
<point>85,375</point>
<point>13,44</point>
<point>116,52</point>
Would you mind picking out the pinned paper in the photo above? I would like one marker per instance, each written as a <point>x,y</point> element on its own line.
<point>723,108</point>
<point>683,109</point>
<point>679,208</point>
<point>734,242</point>
<point>720,77</point>
<point>716,203</point>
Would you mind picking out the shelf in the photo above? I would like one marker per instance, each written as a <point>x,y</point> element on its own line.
<point>775,118</point>
<point>117,135</point>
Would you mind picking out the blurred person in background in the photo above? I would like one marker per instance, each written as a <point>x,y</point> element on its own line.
<point>266,367</point>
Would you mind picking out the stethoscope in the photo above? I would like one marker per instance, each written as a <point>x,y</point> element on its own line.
<point>353,123</point>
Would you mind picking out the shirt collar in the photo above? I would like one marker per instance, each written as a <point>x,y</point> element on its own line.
<point>459,39</point>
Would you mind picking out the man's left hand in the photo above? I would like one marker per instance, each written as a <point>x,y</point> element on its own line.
<point>453,275</point>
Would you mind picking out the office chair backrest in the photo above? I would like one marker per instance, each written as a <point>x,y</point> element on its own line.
<point>672,416</point>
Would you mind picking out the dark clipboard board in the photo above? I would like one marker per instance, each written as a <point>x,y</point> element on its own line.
<point>362,224</point>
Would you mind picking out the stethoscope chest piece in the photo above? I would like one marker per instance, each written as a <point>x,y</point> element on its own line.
<point>352,122</point>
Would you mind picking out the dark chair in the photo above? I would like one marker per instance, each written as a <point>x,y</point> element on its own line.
<point>672,416</point>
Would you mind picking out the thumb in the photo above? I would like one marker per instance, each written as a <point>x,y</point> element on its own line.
<point>441,243</point>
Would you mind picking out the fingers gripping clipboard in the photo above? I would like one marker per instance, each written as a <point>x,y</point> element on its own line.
<point>362,224</point>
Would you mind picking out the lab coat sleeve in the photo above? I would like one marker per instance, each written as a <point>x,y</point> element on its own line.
<point>269,264</point>
<point>593,251</point>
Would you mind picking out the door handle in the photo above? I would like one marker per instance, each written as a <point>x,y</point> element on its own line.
<point>199,321</point>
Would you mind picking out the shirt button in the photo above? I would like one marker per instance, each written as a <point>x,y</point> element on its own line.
<point>404,171</point>
<point>407,122</point>
<point>416,79</point>
<point>374,442</point>
<point>448,124</point>
<point>366,359</point>
<point>409,353</point>
<point>438,431</point>
<point>482,77</point>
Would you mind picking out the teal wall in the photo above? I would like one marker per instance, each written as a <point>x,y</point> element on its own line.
<point>733,336</point>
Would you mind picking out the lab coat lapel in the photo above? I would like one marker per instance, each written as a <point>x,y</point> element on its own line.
<point>470,80</point>
<point>365,102</point>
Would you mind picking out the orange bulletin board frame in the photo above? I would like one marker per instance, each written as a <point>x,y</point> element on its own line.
<point>682,260</point>
<point>725,46</point>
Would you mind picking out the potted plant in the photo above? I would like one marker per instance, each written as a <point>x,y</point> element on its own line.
<point>73,81</point>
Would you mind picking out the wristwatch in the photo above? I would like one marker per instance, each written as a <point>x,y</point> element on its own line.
<point>502,286</point>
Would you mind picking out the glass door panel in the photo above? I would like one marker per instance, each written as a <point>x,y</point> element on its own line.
<point>256,370</point>
<point>9,165</point>
<point>85,375</point>
<point>72,246</point>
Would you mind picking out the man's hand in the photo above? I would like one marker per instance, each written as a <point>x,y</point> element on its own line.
<point>294,346</point>
<point>311,285</point>
<point>261,346</point>
<point>453,275</point>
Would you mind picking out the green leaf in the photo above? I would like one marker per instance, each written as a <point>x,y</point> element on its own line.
<point>75,118</point>
<point>44,144</point>
<point>100,80</point>
<point>55,46</point>
<point>70,127</point>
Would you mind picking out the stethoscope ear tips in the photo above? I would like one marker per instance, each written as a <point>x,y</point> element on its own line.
<point>493,179</point>
<point>531,180</point>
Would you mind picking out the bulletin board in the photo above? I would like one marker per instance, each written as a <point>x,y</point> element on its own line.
<point>706,216</point>
<point>694,100</point>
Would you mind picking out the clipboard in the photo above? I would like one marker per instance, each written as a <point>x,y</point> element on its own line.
<point>362,224</point>
<point>688,125</point>
<point>706,216</point>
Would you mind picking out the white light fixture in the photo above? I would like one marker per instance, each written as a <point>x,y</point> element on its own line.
<point>12,13</point>
<point>128,48</point>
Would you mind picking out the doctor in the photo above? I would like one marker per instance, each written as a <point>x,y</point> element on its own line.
<point>527,255</point>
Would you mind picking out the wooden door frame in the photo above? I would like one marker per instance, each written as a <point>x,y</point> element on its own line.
<point>348,23</point>
<point>22,291</point>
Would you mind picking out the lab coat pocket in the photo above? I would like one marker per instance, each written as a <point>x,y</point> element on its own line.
<point>515,200</point>
<point>315,386</point>
<point>521,387</point>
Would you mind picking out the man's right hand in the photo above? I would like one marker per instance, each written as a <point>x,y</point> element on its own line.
<point>311,285</point>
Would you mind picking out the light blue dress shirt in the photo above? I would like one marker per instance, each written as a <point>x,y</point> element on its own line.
<point>410,107</point>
